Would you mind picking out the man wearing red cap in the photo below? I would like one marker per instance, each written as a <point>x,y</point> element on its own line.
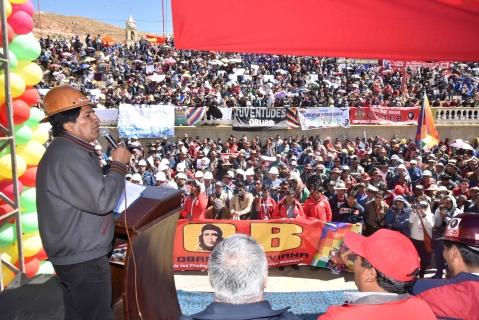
<point>457,297</point>
<point>383,277</point>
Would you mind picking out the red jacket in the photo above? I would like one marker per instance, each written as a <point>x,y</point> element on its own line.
<point>199,206</point>
<point>264,208</point>
<point>456,301</point>
<point>280,210</point>
<point>410,308</point>
<point>318,209</point>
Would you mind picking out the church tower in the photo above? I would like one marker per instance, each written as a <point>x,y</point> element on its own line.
<point>131,34</point>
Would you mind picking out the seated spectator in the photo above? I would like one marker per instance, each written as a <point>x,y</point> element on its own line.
<point>385,269</point>
<point>238,273</point>
<point>218,203</point>
<point>263,205</point>
<point>457,297</point>
<point>351,211</point>
<point>241,204</point>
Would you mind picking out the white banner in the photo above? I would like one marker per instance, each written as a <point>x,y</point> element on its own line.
<point>146,121</point>
<point>108,117</point>
<point>312,118</point>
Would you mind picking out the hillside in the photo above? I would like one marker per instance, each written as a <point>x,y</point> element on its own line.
<point>55,24</point>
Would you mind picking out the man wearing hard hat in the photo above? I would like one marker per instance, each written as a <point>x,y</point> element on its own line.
<point>457,297</point>
<point>75,202</point>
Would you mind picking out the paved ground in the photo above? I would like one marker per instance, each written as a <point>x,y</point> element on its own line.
<point>287,280</point>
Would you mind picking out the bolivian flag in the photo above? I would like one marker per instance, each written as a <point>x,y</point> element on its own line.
<point>426,134</point>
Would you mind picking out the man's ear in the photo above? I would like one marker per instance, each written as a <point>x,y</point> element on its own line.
<point>371,275</point>
<point>68,126</point>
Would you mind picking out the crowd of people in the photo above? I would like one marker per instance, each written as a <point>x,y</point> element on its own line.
<point>376,182</point>
<point>160,74</point>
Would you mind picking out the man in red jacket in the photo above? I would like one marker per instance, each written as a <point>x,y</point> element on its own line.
<point>317,205</point>
<point>195,204</point>
<point>386,266</point>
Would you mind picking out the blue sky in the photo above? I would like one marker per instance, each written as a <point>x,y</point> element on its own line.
<point>146,13</point>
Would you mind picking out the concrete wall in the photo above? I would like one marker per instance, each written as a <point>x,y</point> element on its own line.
<point>466,132</point>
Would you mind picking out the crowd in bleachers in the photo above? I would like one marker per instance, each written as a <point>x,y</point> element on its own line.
<point>160,74</point>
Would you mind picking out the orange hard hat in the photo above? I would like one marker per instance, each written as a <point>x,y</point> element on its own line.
<point>463,228</point>
<point>63,98</point>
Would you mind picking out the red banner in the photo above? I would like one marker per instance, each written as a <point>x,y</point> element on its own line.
<point>286,242</point>
<point>383,115</point>
<point>427,30</point>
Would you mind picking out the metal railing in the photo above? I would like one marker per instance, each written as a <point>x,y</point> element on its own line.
<point>8,140</point>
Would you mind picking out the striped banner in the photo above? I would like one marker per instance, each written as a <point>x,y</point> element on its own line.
<point>292,118</point>
<point>194,115</point>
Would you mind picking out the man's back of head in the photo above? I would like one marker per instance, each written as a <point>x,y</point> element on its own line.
<point>238,270</point>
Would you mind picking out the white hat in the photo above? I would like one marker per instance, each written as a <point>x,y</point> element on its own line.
<point>208,175</point>
<point>97,147</point>
<point>273,170</point>
<point>181,175</point>
<point>340,185</point>
<point>199,174</point>
<point>250,172</point>
<point>180,167</point>
<point>395,157</point>
<point>165,161</point>
<point>427,173</point>
<point>160,176</point>
<point>241,172</point>
<point>136,177</point>
<point>231,174</point>
<point>345,168</point>
<point>142,163</point>
<point>163,167</point>
<point>128,175</point>
<point>372,188</point>
<point>413,162</point>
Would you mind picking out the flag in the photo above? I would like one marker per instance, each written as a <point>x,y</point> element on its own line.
<point>426,134</point>
<point>155,39</point>
<point>293,118</point>
<point>194,115</point>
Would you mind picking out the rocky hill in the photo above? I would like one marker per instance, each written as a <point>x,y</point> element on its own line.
<point>55,24</point>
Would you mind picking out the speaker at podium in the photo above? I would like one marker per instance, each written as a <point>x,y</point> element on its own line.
<point>142,261</point>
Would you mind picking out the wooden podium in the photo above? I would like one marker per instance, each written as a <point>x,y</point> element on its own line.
<point>145,278</point>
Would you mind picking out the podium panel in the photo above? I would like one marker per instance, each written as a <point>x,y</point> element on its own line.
<point>145,278</point>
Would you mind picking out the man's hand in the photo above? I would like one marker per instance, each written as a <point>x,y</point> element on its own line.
<point>121,154</point>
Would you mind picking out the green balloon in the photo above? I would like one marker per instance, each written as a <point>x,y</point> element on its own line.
<point>29,222</point>
<point>5,151</point>
<point>46,267</point>
<point>12,58</point>
<point>36,115</point>
<point>28,200</point>
<point>8,235</point>
<point>23,134</point>
<point>26,47</point>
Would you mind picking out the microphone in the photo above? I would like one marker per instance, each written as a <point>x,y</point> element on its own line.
<point>109,138</point>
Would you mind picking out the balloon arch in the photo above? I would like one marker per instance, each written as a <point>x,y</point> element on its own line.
<point>22,139</point>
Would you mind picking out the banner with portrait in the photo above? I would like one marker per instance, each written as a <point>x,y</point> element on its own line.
<point>313,118</point>
<point>286,242</point>
<point>146,121</point>
<point>384,115</point>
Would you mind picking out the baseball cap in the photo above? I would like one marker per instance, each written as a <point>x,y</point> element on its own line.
<point>400,264</point>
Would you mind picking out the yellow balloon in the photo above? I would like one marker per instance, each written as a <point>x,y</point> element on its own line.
<point>31,152</point>
<point>40,133</point>
<point>30,72</point>
<point>32,244</point>
<point>17,1</point>
<point>6,166</point>
<point>12,252</point>
<point>7,274</point>
<point>8,8</point>
<point>17,86</point>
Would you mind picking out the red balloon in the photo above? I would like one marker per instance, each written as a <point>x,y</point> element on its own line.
<point>21,22</point>
<point>42,255</point>
<point>4,209</point>
<point>29,177</point>
<point>31,267</point>
<point>6,187</point>
<point>10,34</point>
<point>27,7</point>
<point>30,96</point>
<point>21,112</point>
